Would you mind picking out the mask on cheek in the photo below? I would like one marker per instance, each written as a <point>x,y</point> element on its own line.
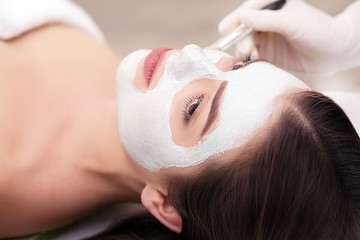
<point>144,118</point>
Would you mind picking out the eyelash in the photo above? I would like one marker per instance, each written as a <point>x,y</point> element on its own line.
<point>193,102</point>
<point>248,59</point>
<point>190,106</point>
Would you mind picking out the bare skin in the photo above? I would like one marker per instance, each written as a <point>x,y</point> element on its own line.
<point>60,151</point>
<point>52,168</point>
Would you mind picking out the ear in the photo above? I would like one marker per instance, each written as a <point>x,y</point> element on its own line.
<point>157,204</point>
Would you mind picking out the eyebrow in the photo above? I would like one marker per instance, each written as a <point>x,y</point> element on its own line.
<point>214,110</point>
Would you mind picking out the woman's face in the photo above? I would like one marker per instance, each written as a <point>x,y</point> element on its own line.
<point>177,108</point>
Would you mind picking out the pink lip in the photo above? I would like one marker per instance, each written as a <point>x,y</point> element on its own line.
<point>152,63</point>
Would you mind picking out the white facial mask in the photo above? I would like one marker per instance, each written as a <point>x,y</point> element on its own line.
<point>144,118</point>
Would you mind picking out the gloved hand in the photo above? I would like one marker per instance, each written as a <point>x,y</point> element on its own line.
<point>299,37</point>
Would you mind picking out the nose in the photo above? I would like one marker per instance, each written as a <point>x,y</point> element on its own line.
<point>225,63</point>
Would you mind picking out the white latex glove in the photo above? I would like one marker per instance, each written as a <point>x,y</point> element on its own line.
<point>299,37</point>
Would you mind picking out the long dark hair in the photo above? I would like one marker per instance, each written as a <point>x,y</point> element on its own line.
<point>300,181</point>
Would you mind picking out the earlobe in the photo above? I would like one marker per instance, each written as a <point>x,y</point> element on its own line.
<point>157,204</point>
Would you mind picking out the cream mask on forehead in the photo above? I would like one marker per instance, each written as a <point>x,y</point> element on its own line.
<point>144,118</point>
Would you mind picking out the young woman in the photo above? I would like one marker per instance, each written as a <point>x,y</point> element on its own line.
<point>215,149</point>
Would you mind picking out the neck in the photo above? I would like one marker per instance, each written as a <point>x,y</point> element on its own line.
<point>103,155</point>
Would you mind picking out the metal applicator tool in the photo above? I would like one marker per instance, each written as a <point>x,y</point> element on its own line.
<point>241,31</point>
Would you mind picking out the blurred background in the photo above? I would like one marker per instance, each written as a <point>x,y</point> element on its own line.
<point>134,24</point>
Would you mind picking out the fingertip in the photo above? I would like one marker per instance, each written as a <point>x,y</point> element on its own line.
<point>245,46</point>
<point>213,47</point>
<point>228,23</point>
<point>225,26</point>
<point>252,53</point>
<point>233,20</point>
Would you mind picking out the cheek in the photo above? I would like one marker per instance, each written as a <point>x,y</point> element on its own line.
<point>129,67</point>
<point>139,82</point>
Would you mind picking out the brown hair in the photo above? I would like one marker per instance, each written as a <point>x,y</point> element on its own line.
<point>302,181</point>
